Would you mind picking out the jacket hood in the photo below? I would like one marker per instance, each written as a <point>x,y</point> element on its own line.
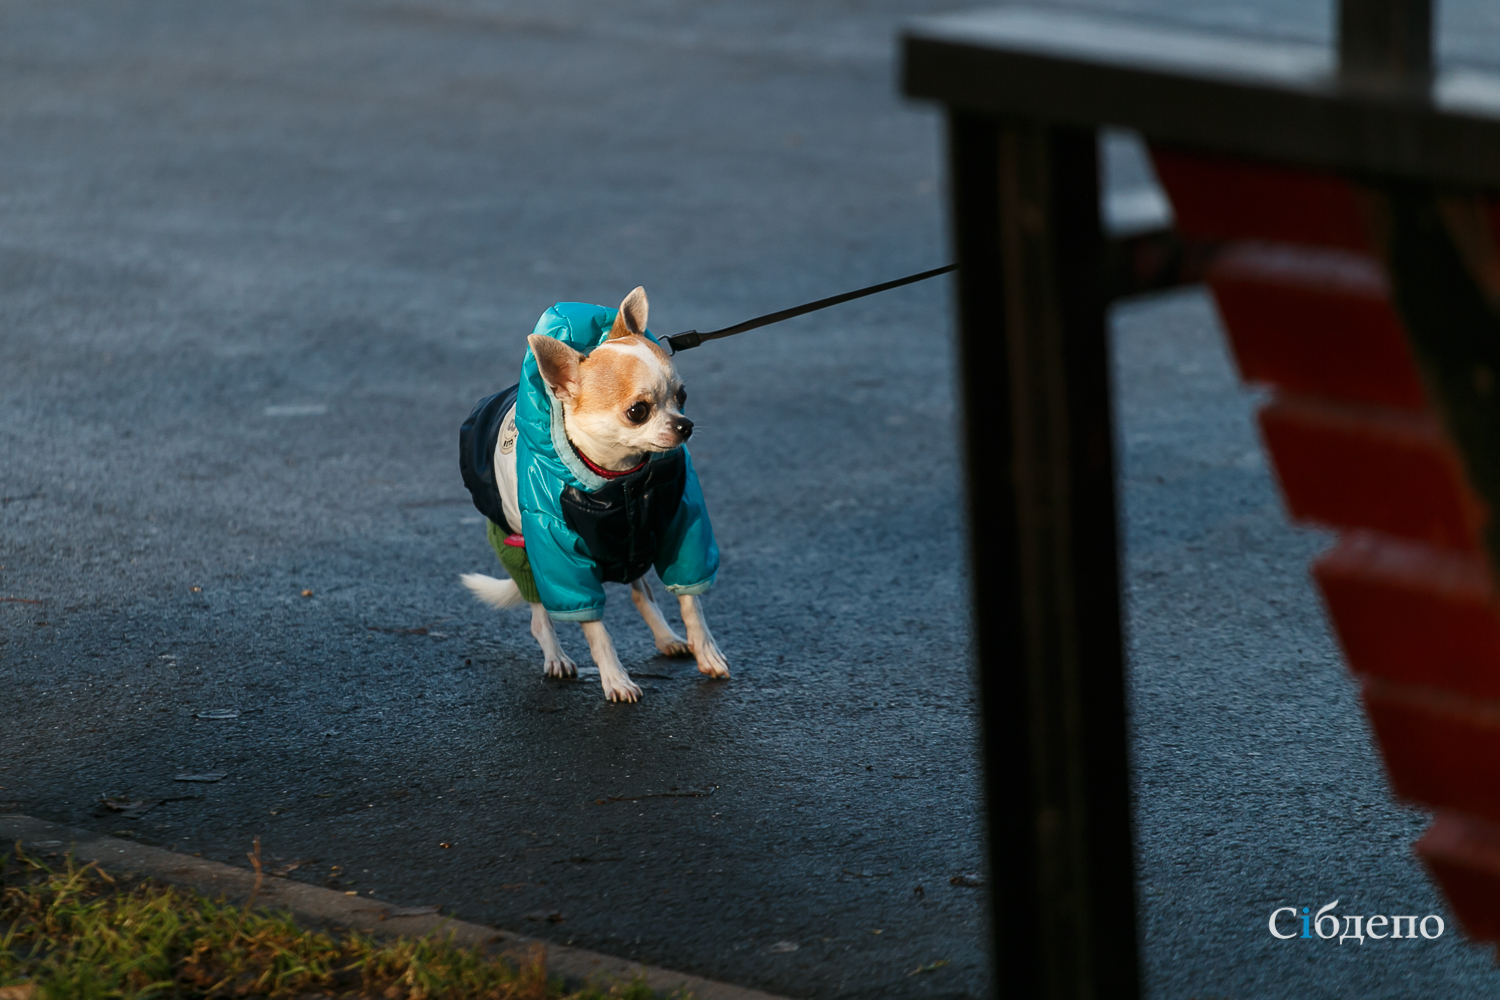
<point>539,417</point>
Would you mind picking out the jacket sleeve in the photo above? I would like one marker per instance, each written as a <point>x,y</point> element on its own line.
<point>688,559</point>
<point>566,578</point>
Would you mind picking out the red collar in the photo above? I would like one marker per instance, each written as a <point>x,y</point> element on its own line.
<point>606,473</point>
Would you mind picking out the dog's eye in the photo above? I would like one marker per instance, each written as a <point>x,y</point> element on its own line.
<point>638,412</point>
<point>681,397</point>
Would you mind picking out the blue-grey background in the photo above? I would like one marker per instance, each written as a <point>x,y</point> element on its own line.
<point>258,259</point>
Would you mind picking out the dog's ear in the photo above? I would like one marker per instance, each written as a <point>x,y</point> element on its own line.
<point>632,315</point>
<point>558,364</point>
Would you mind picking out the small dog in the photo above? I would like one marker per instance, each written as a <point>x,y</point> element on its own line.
<point>582,473</point>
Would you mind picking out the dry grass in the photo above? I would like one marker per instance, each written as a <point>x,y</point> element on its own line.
<point>76,933</point>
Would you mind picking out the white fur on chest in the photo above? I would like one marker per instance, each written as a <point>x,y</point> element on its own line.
<point>505,471</point>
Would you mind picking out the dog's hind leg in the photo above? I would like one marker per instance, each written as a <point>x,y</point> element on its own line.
<point>668,643</point>
<point>616,682</point>
<point>555,661</point>
<point>710,660</point>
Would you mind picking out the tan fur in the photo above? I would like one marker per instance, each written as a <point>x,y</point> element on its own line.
<point>558,364</point>
<point>631,319</point>
<point>610,380</point>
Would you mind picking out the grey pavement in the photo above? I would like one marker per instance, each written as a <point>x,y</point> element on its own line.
<point>256,263</point>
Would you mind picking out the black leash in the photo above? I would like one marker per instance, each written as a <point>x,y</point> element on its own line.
<point>692,338</point>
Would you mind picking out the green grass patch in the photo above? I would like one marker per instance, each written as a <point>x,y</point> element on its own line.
<point>75,932</point>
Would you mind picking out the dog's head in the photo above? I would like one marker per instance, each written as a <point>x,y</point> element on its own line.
<point>621,399</point>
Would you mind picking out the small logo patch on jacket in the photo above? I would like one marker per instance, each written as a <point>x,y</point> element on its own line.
<point>508,433</point>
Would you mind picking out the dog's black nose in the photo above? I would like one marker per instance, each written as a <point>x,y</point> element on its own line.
<point>683,426</point>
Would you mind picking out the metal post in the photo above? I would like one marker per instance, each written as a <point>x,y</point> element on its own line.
<point>1035,375</point>
<point>1386,43</point>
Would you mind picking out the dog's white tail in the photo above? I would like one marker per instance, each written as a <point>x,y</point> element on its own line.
<point>495,593</point>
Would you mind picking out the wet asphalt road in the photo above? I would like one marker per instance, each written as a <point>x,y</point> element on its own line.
<point>354,212</point>
<point>256,263</point>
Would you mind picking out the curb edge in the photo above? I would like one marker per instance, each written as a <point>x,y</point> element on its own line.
<point>357,912</point>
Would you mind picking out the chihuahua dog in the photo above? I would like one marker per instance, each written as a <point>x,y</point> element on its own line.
<point>610,497</point>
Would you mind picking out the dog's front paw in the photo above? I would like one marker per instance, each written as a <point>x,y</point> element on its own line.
<point>558,665</point>
<point>619,687</point>
<point>674,647</point>
<point>712,662</point>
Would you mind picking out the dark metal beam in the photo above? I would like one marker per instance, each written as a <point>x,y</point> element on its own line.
<point>1041,491</point>
<point>1265,99</point>
<point>1153,262</point>
<point>1440,255</point>
<point>1386,44</point>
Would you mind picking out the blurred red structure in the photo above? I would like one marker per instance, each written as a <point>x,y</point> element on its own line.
<point>1359,445</point>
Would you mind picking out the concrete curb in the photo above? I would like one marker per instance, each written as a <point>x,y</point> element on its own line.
<point>327,905</point>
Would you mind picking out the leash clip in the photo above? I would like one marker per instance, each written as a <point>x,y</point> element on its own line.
<point>684,341</point>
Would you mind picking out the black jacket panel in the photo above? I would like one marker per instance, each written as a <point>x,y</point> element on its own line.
<point>623,522</point>
<point>476,454</point>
